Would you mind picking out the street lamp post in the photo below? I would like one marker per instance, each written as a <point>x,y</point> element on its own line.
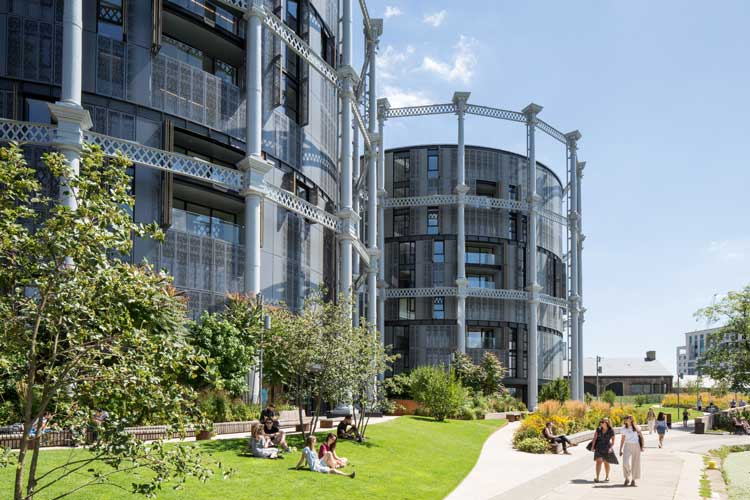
<point>679,408</point>
<point>598,371</point>
<point>266,327</point>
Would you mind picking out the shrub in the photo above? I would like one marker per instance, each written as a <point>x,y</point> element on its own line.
<point>557,390</point>
<point>640,399</point>
<point>438,391</point>
<point>505,402</point>
<point>548,408</point>
<point>523,433</point>
<point>575,409</point>
<point>397,386</point>
<point>588,398</point>
<point>600,406</point>
<point>467,413</point>
<point>609,396</point>
<point>533,445</point>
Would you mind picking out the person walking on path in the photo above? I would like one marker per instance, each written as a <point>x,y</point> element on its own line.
<point>632,444</point>
<point>651,420</point>
<point>684,418</point>
<point>700,403</point>
<point>602,444</point>
<point>661,427</point>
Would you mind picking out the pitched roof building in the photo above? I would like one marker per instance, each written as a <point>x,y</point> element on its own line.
<point>627,376</point>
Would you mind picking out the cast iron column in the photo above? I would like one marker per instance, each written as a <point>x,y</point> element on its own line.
<point>577,369</point>
<point>459,100</point>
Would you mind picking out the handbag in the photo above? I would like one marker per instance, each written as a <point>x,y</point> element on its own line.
<point>589,447</point>
<point>612,458</point>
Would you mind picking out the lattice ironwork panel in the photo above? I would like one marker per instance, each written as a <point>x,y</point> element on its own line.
<point>553,301</point>
<point>26,132</point>
<point>300,206</point>
<point>496,293</point>
<point>551,131</point>
<point>500,114</point>
<point>421,201</point>
<point>172,162</point>
<point>432,109</point>
<point>362,251</point>
<point>290,38</point>
<point>361,124</point>
<point>237,4</point>
<point>488,202</point>
<point>441,291</point>
<point>554,217</point>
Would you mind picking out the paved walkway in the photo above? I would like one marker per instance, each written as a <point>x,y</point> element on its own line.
<point>672,472</point>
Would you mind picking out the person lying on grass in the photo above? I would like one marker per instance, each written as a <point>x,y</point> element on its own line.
<point>315,464</point>
<point>327,453</point>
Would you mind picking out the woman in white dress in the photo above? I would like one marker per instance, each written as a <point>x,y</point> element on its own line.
<point>316,464</point>
<point>632,444</point>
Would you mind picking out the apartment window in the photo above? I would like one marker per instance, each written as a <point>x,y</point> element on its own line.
<point>37,111</point>
<point>480,255</point>
<point>201,220</point>
<point>221,17</point>
<point>524,228</point>
<point>407,308</point>
<point>181,51</point>
<point>487,188</point>
<point>225,72</point>
<point>398,337</point>
<point>513,352</point>
<point>513,226</point>
<point>433,220</point>
<point>400,222</point>
<point>480,338</point>
<point>512,192</point>
<point>327,47</point>
<point>438,308</point>
<point>406,278</point>
<point>433,164</point>
<point>111,18</point>
<point>438,251</point>
<point>401,174</point>
<point>290,84</point>
<point>481,281</point>
<point>407,254</point>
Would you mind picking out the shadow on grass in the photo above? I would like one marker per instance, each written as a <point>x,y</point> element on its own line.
<point>429,419</point>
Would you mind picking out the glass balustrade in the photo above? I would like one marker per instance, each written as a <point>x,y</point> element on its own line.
<point>205,225</point>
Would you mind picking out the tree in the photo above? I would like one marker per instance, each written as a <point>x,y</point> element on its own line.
<point>438,391</point>
<point>609,396</point>
<point>81,327</point>
<point>557,390</point>
<point>727,357</point>
<point>229,340</point>
<point>492,374</point>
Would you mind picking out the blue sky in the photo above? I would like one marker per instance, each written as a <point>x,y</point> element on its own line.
<point>660,92</point>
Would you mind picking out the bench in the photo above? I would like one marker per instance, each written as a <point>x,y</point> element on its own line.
<point>329,423</point>
<point>290,418</point>
<point>148,432</point>
<point>556,448</point>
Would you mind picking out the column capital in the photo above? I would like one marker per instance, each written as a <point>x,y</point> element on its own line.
<point>344,71</point>
<point>534,290</point>
<point>374,138</point>
<point>373,252</point>
<point>534,200</point>
<point>349,220</point>
<point>376,29</point>
<point>71,119</point>
<point>581,165</point>
<point>460,99</point>
<point>255,169</point>
<point>255,8</point>
<point>572,138</point>
<point>462,189</point>
<point>531,111</point>
<point>383,106</point>
<point>382,193</point>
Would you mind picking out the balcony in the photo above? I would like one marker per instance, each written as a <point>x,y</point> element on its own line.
<point>184,90</point>
<point>205,226</point>
<point>481,258</point>
<point>481,281</point>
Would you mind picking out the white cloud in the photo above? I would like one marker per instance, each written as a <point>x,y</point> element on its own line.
<point>461,68</point>
<point>391,11</point>
<point>391,61</point>
<point>730,250</point>
<point>399,97</point>
<point>436,19</point>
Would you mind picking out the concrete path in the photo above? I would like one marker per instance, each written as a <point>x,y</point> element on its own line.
<point>672,472</point>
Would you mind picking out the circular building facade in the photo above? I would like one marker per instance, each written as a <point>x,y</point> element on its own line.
<point>421,252</point>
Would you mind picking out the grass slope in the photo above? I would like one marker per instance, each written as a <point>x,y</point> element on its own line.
<point>736,467</point>
<point>676,412</point>
<point>408,458</point>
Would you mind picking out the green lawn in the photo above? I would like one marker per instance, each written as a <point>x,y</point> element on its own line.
<point>736,467</point>
<point>411,457</point>
<point>676,412</point>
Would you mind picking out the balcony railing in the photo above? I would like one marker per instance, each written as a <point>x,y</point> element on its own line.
<point>184,90</point>
<point>206,226</point>
<point>480,258</point>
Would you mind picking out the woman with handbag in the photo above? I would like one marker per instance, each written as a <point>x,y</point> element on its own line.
<point>632,442</point>
<point>602,444</point>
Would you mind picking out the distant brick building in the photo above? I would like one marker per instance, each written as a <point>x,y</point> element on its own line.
<point>627,376</point>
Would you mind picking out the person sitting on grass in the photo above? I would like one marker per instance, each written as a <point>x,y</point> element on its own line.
<point>260,445</point>
<point>327,453</point>
<point>345,430</point>
<point>269,412</point>
<point>315,464</point>
<point>276,435</point>
<point>550,436</point>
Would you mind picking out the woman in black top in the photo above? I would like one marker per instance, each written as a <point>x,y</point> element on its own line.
<point>604,440</point>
